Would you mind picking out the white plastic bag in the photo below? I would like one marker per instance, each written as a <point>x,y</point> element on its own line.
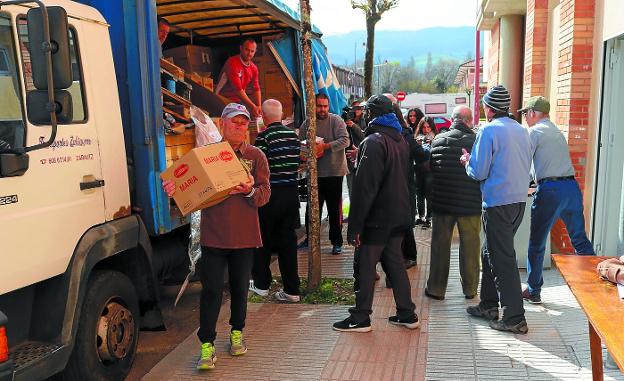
<point>205,130</point>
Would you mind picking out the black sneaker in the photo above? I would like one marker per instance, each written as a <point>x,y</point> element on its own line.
<point>520,328</point>
<point>533,299</point>
<point>429,295</point>
<point>348,325</point>
<point>485,313</point>
<point>426,224</point>
<point>418,222</point>
<point>411,323</point>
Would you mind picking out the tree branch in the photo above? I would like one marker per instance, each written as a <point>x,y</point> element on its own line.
<point>386,5</point>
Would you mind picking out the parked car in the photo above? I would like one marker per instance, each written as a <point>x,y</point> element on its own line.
<point>442,124</point>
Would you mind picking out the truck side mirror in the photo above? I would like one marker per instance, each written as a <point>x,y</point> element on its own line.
<point>37,107</point>
<point>59,47</point>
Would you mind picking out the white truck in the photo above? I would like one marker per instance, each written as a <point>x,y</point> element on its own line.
<point>84,223</point>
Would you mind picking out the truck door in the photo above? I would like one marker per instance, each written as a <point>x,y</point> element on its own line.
<point>45,211</point>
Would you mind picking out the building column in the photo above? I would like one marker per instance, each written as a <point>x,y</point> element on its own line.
<point>511,48</point>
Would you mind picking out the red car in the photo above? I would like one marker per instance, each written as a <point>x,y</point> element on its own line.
<point>442,124</point>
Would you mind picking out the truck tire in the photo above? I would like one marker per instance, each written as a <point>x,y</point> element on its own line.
<point>107,334</point>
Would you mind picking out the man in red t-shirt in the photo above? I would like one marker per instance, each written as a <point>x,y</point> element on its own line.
<point>237,73</point>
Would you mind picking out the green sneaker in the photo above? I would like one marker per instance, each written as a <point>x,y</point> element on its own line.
<point>207,358</point>
<point>237,343</point>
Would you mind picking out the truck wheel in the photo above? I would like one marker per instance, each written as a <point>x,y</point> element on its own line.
<point>108,332</point>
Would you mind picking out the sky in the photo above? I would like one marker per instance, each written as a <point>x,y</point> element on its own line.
<point>337,17</point>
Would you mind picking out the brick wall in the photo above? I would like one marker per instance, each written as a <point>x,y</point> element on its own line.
<point>493,54</point>
<point>575,48</point>
<point>536,41</point>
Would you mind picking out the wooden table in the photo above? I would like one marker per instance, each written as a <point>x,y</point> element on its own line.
<point>599,300</point>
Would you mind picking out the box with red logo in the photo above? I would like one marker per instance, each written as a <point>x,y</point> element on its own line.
<point>205,176</point>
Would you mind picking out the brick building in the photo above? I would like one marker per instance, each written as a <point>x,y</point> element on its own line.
<point>351,83</point>
<point>572,52</point>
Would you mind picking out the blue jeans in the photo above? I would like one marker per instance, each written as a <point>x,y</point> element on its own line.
<point>552,200</point>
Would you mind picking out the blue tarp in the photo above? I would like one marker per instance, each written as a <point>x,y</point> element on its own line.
<point>325,80</point>
<point>290,12</point>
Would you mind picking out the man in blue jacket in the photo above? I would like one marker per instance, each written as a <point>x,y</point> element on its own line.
<point>378,217</point>
<point>501,161</point>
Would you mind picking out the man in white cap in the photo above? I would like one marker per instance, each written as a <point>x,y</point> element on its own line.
<point>500,161</point>
<point>230,232</point>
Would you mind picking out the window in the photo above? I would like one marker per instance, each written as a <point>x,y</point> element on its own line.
<point>460,101</point>
<point>76,90</point>
<point>12,133</point>
<point>435,108</point>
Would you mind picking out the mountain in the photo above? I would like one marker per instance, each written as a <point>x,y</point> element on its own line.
<point>400,46</point>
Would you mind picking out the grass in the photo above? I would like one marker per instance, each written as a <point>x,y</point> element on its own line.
<point>331,291</point>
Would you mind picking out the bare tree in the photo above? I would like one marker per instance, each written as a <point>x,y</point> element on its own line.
<point>373,10</point>
<point>314,231</point>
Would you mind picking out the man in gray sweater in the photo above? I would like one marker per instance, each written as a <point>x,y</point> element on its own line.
<point>332,166</point>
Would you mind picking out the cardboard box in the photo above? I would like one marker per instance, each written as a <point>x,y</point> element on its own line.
<point>205,176</point>
<point>192,58</point>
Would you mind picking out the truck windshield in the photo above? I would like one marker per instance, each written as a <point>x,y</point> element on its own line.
<point>11,116</point>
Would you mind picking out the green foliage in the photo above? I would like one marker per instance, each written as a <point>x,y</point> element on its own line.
<point>331,291</point>
<point>437,76</point>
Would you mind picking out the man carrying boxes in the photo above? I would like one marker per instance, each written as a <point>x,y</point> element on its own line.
<point>229,234</point>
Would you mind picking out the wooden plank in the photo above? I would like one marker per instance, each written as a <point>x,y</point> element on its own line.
<point>169,95</point>
<point>188,137</point>
<point>176,115</point>
<point>282,65</point>
<point>173,70</point>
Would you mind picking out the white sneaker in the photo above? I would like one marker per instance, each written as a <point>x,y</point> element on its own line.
<point>284,297</point>
<point>258,291</point>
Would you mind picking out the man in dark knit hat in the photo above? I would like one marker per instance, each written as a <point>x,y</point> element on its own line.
<point>500,161</point>
<point>378,217</point>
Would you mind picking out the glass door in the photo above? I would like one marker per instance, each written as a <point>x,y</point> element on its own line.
<point>608,216</point>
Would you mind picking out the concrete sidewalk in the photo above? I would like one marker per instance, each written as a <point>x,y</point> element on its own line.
<point>296,342</point>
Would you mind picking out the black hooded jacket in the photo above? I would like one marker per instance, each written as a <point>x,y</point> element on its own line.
<point>454,192</point>
<point>380,202</point>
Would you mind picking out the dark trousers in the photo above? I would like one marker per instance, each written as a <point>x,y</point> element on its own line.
<point>469,246</point>
<point>213,263</point>
<point>423,194</point>
<point>330,192</point>
<point>408,246</point>
<point>278,221</point>
<point>365,261</point>
<point>498,257</point>
<point>554,199</point>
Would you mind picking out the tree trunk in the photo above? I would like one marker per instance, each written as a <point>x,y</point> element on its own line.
<point>314,222</point>
<point>368,60</point>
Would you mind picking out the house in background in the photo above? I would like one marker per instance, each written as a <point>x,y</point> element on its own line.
<point>351,83</point>
<point>571,52</point>
<point>465,78</point>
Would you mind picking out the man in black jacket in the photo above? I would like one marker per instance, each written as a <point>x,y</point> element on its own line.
<point>379,215</point>
<point>456,201</point>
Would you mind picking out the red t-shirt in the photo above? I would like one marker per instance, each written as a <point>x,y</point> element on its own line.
<point>236,76</point>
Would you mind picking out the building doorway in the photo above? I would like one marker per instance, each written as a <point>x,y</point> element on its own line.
<point>608,216</point>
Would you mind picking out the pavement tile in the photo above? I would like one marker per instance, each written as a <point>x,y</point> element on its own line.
<point>296,342</point>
